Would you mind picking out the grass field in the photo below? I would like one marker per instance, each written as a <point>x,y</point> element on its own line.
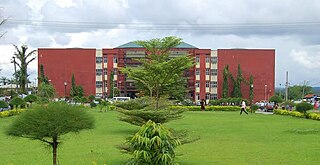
<point>225,138</point>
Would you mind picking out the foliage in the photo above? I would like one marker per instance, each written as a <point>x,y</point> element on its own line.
<point>111,84</point>
<point>227,101</point>
<point>211,108</point>
<point>93,104</point>
<point>314,116</point>
<point>276,99</point>
<point>46,90</point>
<point>17,101</point>
<point>237,84</point>
<point>303,107</point>
<point>254,107</point>
<point>30,98</point>
<point>24,60</point>
<point>83,99</point>
<point>43,78</point>
<point>134,104</point>
<point>3,104</point>
<point>295,92</point>
<point>11,112</point>
<point>75,90</point>
<point>48,123</point>
<point>91,98</point>
<point>153,144</point>
<point>139,111</point>
<point>103,105</point>
<point>225,84</point>
<point>158,74</point>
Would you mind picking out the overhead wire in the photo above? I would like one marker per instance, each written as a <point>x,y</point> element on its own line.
<point>163,26</point>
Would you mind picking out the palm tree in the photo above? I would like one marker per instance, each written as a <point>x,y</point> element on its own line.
<point>22,63</point>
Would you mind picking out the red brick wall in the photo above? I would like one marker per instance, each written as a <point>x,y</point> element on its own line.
<point>60,64</point>
<point>257,62</point>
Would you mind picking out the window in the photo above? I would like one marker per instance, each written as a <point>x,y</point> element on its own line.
<point>207,71</point>
<point>197,71</point>
<point>105,83</point>
<point>105,71</point>
<point>214,72</point>
<point>207,59</point>
<point>115,71</point>
<point>98,59</point>
<point>207,84</point>
<point>98,84</point>
<point>214,60</point>
<point>207,96</point>
<point>214,96</point>
<point>213,84</point>
<point>115,59</point>
<point>197,59</point>
<point>197,96</point>
<point>98,72</point>
<point>105,59</point>
<point>197,84</point>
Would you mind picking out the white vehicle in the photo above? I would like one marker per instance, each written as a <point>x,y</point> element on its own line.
<point>121,98</point>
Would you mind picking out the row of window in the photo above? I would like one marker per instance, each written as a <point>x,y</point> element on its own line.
<point>105,59</point>
<point>213,60</point>
<point>214,72</point>
<point>210,96</point>
<point>105,71</point>
<point>212,84</point>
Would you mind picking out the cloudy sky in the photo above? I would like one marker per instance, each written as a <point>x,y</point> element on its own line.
<point>292,27</point>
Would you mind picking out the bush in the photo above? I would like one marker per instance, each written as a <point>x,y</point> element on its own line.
<point>92,104</point>
<point>303,107</point>
<point>314,116</point>
<point>153,144</point>
<point>3,104</point>
<point>11,113</point>
<point>211,108</point>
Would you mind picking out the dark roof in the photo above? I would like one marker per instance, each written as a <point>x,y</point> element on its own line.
<point>134,45</point>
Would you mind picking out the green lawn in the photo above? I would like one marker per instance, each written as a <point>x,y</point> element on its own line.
<point>225,138</point>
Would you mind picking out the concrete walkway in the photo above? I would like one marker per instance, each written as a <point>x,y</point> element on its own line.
<point>266,113</point>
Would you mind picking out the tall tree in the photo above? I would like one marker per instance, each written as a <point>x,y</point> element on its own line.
<point>48,123</point>
<point>24,60</point>
<point>73,89</point>
<point>43,78</point>
<point>158,71</point>
<point>225,84</point>
<point>237,84</point>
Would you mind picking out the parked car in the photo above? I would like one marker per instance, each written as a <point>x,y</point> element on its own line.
<point>269,107</point>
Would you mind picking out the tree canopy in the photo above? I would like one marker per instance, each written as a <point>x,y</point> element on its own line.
<point>159,74</point>
<point>48,123</point>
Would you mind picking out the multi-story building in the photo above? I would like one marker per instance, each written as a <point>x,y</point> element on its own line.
<point>97,70</point>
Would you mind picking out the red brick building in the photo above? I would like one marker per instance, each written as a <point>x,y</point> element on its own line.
<point>93,67</point>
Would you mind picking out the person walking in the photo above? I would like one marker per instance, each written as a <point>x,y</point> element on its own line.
<point>202,103</point>
<point>243,107</point>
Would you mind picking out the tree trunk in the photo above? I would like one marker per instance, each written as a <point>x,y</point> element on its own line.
<point>54,151</point>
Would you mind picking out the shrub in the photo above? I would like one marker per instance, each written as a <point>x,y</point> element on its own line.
<point>3,104</point>
<point>153,144</point>
<point>11,113</point>
<point>314,116</point>
<point>211,108</point>
<point>303,107</point>
<point>17,101</point>
<point>92,104</point>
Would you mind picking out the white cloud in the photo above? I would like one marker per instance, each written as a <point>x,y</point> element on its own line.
<point>306,59</point>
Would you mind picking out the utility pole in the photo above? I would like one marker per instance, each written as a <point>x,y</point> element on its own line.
<point>15,72</point>
<point>287,84</point>
<point>280,91</point>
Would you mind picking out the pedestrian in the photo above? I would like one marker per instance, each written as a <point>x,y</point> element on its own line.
<point>202,103</point>
<point>243,107</point>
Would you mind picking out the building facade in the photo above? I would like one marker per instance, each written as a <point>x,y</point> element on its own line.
<point>98,70</point>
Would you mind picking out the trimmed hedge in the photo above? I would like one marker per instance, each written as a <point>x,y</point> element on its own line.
<point>210,108</point>
<point>11,112</point>
<point>314,116</point>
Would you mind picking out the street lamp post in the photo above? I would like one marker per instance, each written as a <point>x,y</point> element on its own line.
<point>280,91</point>
<point>265,92</point>
<point>65,89</point>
